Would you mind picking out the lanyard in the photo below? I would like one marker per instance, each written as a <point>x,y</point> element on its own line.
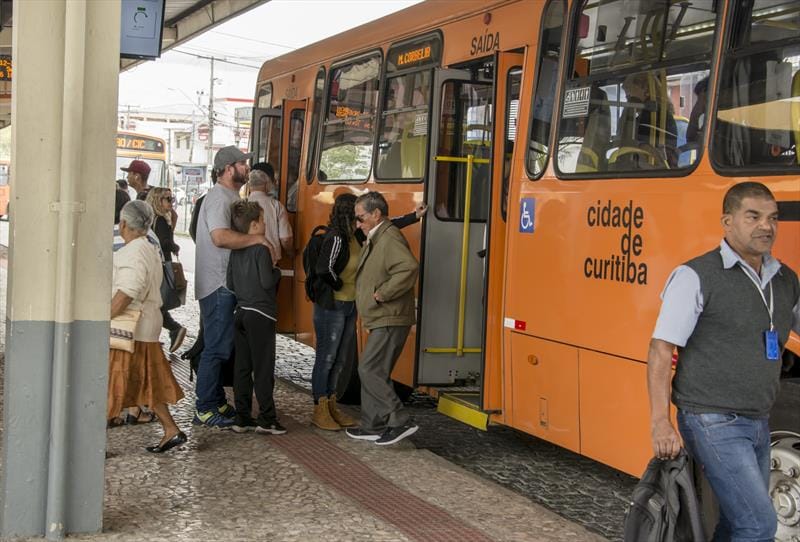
<point>761,293</point>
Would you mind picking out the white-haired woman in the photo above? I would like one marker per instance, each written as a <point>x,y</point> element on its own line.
<point>144,377</point>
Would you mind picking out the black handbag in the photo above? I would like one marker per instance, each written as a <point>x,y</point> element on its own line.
<point>170,295</point>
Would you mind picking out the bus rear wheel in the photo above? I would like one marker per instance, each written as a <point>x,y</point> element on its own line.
<point>784,483</point>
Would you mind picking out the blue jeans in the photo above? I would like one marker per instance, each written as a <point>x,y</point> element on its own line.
<point>216,311</point>
<point>336,338</point>
<point>734,453</point>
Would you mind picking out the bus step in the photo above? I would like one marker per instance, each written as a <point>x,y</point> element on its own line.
<point>464,407</point>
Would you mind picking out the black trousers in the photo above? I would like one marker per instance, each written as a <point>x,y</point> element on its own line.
<point>169,323</point>
<point>254,341</point>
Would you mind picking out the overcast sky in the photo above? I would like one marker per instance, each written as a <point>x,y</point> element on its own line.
<point>171,83</point>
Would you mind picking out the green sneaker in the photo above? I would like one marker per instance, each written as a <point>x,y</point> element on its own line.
<point>212,419</point>
<point>227,410</point>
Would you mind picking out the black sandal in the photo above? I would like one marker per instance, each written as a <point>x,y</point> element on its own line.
<point>116,421</point>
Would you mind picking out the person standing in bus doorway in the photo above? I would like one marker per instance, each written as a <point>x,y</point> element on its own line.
<point>215,240</point>
<point>385,279</point>
<point>279,232</point>
<point>728,313</point>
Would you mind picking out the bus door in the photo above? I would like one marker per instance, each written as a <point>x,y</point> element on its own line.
<point>294,114</point>
<point>455,236</point>
<point>508,81</point>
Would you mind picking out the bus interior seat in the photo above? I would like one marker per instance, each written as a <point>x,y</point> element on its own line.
<point>596,136</point>
<point>412,152</point>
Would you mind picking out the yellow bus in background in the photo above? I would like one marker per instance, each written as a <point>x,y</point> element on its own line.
<point>153,150</point>
<point>130,146</point>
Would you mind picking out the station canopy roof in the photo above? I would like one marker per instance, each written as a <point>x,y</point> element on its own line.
<point>187,19</point>
<point>183,20</point>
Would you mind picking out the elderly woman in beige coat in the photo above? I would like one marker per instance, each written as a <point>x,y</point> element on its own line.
<point>143,377</point>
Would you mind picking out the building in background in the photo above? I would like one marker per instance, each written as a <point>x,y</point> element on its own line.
<point>187,132</point>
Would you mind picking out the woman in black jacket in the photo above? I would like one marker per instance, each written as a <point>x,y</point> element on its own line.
<point>160,199</point>
<point>334,311</point>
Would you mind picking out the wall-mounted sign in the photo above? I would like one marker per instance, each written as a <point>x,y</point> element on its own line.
<point>141,27</point>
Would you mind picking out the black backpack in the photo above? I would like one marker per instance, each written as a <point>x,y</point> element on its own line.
<point>310,256</point>
<point>664,505</point>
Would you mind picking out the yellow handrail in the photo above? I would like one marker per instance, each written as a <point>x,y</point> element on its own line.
<point>451,350</point>
<point>459,350</point>
<point>462,293</point>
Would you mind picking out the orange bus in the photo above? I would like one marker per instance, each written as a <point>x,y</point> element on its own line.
<point>572,153</point>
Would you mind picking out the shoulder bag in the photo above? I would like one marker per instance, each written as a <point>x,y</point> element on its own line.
<point>173,285</point>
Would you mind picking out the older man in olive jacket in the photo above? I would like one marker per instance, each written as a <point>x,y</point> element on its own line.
<point>385,279</point>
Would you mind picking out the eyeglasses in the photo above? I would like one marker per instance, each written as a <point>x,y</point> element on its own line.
<point>360,218</point>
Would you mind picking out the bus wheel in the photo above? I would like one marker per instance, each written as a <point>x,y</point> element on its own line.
<point>784,483</point>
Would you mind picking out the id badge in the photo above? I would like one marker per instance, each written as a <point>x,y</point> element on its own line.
<point>771,342</point>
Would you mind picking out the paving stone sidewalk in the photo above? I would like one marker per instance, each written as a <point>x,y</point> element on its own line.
<point>576,488</point>
<point>305,485</point>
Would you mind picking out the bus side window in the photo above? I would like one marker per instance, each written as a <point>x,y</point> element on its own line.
<point>627,100</point>
<point>319,88</point>
<point>403,133</point>
<point>546,85</point>
<point>349,126</point>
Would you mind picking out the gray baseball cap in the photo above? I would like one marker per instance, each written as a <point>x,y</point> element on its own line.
<point>229,155</point>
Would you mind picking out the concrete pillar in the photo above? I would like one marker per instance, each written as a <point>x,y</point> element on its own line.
<point>64,110</point>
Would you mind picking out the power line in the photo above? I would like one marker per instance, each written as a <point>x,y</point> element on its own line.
<point>219,53</point>
<point>216,59</point>
<point>290,47</point>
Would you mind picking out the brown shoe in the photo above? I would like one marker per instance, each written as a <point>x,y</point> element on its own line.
<point>340,417</point>
<point>322,416</point>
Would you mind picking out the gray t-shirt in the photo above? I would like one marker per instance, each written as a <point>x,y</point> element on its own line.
<point>211,261</point>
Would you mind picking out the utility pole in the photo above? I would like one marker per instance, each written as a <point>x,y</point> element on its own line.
<point>194,127</point>
<point>211,115</point>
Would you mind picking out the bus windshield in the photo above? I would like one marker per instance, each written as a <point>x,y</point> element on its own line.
<point>758,111</point>
<point>636,90</point>
<point>156,168</point>
<point>152,150</point>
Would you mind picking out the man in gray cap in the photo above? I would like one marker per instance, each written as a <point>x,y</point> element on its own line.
<point>215,240</point>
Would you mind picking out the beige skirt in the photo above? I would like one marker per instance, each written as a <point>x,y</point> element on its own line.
<point>141,378</point>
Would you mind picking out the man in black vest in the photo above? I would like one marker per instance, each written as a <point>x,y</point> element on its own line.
<point>729,313</point>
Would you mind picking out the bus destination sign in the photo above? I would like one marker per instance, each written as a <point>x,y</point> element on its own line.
<point>421,52</point>
<point>139,143</point>
<point>413,57</point>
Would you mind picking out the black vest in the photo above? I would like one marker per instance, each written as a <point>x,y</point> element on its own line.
<point>724,367</point>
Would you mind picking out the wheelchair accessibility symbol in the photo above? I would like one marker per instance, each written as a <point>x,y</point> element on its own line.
<point>527,208</point>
